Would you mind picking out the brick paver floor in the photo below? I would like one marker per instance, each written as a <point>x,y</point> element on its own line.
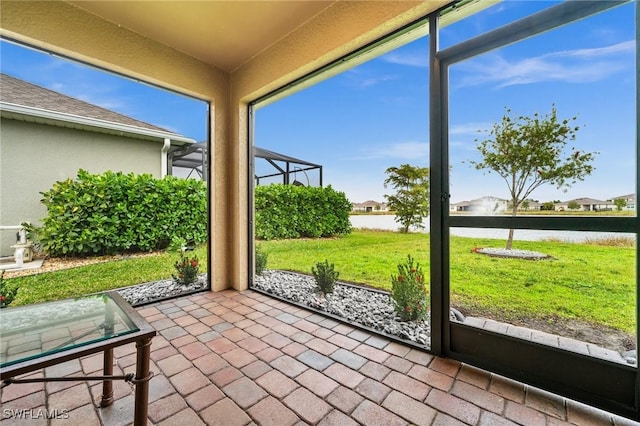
<point>239,358</point>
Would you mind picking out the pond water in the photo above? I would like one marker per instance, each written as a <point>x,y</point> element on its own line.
<point>387,222</point>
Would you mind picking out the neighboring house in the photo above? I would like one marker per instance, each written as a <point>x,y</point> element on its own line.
<point>585,205</point>
<point>529,205</point>
<point>486,205</point>
<point>462,206</point>
<point>46,137</point>
<point>629,198</point>
<point>369,206</point>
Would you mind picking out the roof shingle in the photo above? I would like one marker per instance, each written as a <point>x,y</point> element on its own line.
<point>20,92</point>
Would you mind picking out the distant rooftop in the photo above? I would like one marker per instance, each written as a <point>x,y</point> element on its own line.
<point>628,196</point>
<point>585,200</point>
<point>20,92</point>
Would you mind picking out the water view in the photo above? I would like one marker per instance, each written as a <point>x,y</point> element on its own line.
<point>388,223</point>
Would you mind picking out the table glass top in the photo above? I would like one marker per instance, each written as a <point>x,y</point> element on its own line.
<point>32,331</point>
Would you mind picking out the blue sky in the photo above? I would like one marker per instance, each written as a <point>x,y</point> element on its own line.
<point>166,109</point>
<point>375,116</point>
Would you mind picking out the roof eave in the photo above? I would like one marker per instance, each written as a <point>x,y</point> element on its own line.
<point>90,124</point>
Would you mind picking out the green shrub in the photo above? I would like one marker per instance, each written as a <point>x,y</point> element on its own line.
<point>325,275</point>
<point>115,212</point>
<point>7,293</point>
<point>408,292</point>
<point>288,211</point>
<point>260,261</point>
<point>548,206</point>
<point>187,269</point>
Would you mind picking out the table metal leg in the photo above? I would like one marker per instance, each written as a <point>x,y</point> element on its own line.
<point>143,351</point>
<point>107,385</point>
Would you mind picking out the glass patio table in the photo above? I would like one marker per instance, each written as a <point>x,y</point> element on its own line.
<point>37,336</point>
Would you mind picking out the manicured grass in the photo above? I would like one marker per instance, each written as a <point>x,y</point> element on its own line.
<point>98,277</point>
<point>588,282</point>
<point>561,213</point>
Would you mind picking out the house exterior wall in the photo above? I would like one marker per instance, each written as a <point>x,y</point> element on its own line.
<point>35,156</point>
<point>631,203</point>
<point>338,30</point>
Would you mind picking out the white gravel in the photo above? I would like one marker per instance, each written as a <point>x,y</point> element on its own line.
<point>158,290</point>
<point>520,254</point>
<point>367,307</point>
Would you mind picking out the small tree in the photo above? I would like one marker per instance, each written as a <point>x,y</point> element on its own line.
<point>527,153</point>
<point>573,205</point>
<point>548,206</point>
<point>411,200</point>
<point>620,203</point>
<point>261,259</point>
<point>325,276</point>
<point>186,269</point>
<point>408,291</point>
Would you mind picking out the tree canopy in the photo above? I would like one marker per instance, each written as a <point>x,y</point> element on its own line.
<point>411,200</point>
<point>620,203</point>
<point>528,152</point>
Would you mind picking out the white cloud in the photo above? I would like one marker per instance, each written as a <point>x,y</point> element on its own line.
<point>86,93</point>
<point>411,151</point>
<point>372,81</point>
<point>76,80</point>
<point>468,128</point>
<point>412,59</point>
<point>462,137</point>
<point>625,47</point>
<point>572,66</point>
<point>361,79</point>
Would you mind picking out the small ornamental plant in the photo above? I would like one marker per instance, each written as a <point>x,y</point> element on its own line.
<point>260,260</point>
<point>325,275</point>
<point>410,297</point>
<point>7,294</point>
<point>186,269</point>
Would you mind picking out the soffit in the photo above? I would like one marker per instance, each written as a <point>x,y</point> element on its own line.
<point>225,34</point>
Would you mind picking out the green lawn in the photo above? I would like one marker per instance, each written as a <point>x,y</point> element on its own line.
<point>588,282</point>
<point>98,277</point>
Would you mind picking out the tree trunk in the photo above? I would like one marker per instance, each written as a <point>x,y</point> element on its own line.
<point>514,212</point>
<point>510,239</point>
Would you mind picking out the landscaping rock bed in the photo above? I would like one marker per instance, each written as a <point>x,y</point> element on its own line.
<point>160,290</point>
<point>512,253</point>
<point>368,307</point>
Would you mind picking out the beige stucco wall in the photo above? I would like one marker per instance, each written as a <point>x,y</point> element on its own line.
<point>340,29</point>
<point>35,156</point>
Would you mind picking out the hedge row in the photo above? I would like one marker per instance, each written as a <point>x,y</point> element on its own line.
<point>115,212</point>
<point>288,211</point>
